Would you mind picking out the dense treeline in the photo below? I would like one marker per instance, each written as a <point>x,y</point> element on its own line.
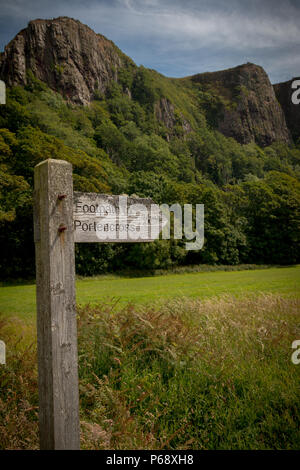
<point>118,145</point>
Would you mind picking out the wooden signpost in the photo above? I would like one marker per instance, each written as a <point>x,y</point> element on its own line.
<point>62,218</point>
<point>106,218</point>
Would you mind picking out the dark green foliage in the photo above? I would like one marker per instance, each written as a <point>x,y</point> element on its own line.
<point>144,89</point>
<point>119,145</point>
<point>272,209</point>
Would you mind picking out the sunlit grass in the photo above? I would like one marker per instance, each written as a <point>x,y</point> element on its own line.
<point>20,299</point>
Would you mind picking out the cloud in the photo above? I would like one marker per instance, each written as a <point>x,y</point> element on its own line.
<point>180,37</point>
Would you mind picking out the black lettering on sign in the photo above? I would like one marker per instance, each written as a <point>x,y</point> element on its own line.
<point>106,218</point>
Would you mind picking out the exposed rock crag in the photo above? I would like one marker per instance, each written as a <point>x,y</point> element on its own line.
<point>250,110</point>
<point>165,113</point>
<point>64,53</point>
<point>76,62</point>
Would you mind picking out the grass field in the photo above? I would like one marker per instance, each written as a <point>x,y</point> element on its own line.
<point>191,374</point>
<point>19,300</point>
<point>186,361</point>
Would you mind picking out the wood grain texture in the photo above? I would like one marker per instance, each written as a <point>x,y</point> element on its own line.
<point>56,312</point>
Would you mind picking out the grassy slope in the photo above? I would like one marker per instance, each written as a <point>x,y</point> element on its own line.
<point>20,300</point>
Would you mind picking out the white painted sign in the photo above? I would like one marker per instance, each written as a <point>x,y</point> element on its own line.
<point>120,219</point>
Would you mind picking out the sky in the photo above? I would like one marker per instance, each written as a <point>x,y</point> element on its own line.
<point>181,37</point>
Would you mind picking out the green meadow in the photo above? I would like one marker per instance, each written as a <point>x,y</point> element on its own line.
<point>20,299</point>
<point>181,361</point>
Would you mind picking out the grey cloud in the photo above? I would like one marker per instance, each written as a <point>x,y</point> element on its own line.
<point>179,37</point>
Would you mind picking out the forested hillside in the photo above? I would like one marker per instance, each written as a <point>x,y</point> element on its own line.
<point>195,140</point>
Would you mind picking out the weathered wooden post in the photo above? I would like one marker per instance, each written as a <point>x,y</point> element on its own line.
<point>58,223</point>
<point>56,314</point>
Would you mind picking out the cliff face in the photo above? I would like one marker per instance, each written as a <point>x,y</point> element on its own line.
<point>75,61</point>
<point>248,110</point>
<point>67,55</point>
<point>284,93</point>
<point>165,113</point>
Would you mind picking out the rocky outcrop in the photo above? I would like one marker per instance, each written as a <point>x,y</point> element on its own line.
<point>284,92</point>
<point>248,109</point>
<point>75,61</point>
<point>67,55</point>
<point>165,113</point>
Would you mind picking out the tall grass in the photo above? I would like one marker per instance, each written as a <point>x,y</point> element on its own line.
<point>18,387</point>
<point>212,374</point>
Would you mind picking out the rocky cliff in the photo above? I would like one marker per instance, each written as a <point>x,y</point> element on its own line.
<point>75,61</point>
<point>284,93</point>
<point>64,53</point>
<point>248,110</point>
